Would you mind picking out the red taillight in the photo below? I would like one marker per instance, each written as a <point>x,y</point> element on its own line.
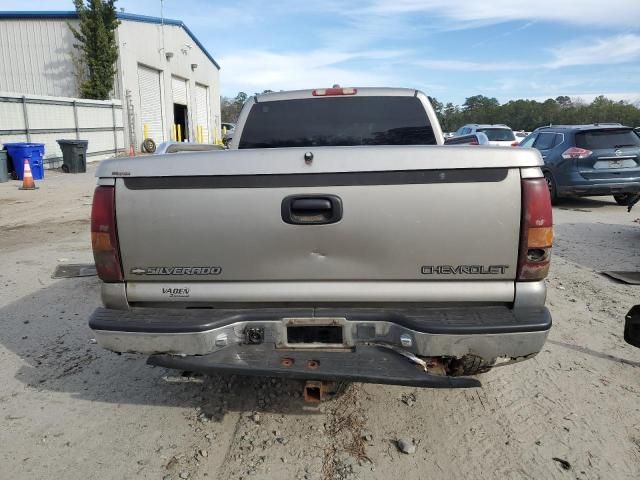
<point>536,230</point>
<point>576,152</point>
<point>104,237</point>
<point>474,142</point>
<point>327,92</point>
<point>515,144</point>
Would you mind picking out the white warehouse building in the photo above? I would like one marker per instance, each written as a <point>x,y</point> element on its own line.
<point>165,77</point>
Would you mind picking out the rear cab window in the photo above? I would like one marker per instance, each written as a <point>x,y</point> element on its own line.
<point>338,121</point>
<point>496,134</point>
<point>609,138</point>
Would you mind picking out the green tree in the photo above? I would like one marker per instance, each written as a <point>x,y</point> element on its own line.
<point>230,107</point>
<point>449,119</point>
<point>530,114</point>
<point>96,42</point>
<point>481,109</point>
<point>479,103</point>
<point>437,108</point>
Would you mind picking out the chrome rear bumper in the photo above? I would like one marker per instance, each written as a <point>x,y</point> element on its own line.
<point>488,332</point>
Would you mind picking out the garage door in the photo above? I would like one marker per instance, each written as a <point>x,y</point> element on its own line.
<point>179,89</point>
<point>150,103</point>
<point>202,110</point>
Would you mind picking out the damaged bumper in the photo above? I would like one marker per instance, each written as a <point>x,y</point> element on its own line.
<point>487,332</point>
<point>370,364</point>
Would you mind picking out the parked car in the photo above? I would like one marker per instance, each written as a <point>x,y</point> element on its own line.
<point>319,247</point>
<point>521,135</point>
<point>588,160</point>
<point>497,134</point>
<point>477,138</point>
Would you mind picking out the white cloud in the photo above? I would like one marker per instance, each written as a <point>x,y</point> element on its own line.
<point>603,51</point>
<point>612,13</point>
<point>617,49</point>
<point>257,70</point>
<point>465,66</point>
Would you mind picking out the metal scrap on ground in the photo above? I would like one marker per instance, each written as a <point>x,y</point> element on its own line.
<point>73,270</point>
<point>632,278</point>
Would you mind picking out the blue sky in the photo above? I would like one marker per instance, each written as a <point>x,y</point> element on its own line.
<point>451,49</point>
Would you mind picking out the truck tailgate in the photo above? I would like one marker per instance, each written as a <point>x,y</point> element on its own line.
<point>209,221</point>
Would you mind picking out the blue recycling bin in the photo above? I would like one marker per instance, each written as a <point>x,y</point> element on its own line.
<point>21,151</point>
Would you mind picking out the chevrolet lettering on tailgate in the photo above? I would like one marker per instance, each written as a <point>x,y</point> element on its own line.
<point>464,269</point>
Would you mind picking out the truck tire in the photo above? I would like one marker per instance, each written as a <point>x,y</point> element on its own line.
<point>470,365</point>
<point>553,189</point>
<point>149,145</point>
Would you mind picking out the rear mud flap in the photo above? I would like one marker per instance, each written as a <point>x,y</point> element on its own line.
<point>369,364</point>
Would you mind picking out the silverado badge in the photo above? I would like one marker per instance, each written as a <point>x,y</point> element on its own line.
<point>176,270</point>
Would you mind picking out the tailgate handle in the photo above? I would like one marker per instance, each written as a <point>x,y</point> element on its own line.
<point>311,209</point>
<point>310,205</point>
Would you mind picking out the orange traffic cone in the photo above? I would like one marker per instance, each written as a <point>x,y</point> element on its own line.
<point>132,152</point>
<point>27,178</point>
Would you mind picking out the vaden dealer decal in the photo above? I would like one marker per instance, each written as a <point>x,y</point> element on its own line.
<point>176,292</point>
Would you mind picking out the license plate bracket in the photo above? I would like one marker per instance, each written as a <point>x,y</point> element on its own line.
<point>314,333</point>
<point>615,163</point>
<point>305,334</point>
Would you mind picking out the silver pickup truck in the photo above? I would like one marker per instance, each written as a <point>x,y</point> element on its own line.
<point>338,239</point>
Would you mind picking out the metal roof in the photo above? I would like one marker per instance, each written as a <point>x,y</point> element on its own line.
<point>308,93</point>
<point>487,125</point>
<point>589,126</point>
<point>121,16</point>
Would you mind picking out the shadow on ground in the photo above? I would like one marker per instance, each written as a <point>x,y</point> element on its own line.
<point>599,246</point>
<point>48,331</point>
<point>584,203</point>
<point>594,353</point>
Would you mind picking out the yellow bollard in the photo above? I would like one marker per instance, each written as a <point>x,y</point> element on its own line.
<point>200,134</point>
<point>146,131</point>
<point>173,132</point>
<point>179,138</point>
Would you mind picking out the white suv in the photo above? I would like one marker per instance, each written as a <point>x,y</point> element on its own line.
<point>497,134</point>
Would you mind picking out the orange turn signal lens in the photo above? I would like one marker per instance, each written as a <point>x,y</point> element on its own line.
<point>540,237</point>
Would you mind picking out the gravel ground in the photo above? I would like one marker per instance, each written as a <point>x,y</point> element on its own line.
<point>72,410</point>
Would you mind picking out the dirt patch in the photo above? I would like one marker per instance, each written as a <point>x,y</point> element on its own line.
<point>19,236</point>
<point>345,429</point>
<point>73,410</point>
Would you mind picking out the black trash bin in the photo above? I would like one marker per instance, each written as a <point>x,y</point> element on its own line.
<point>4,170</point>
<point>74,155</point>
